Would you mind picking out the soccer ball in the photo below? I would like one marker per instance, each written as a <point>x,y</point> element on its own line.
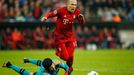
<point>93,73</point>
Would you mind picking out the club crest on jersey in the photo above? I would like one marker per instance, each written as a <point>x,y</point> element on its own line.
<point>55,12</point>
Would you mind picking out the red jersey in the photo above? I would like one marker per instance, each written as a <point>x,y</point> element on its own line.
<point>65,20</point>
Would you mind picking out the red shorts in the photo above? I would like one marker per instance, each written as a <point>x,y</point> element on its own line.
<point>65,48</point>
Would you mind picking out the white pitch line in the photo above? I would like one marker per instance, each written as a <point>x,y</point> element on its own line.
<point>77,69</point>
<point>105,70</point>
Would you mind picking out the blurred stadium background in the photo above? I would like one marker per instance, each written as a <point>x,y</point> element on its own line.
<point>108,30</point>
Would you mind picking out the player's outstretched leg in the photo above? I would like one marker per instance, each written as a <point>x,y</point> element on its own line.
<point>7,64</point>
<point>33,61</point>
<point>16,68</point>
<point>70,48</point>
<point>69,63</point>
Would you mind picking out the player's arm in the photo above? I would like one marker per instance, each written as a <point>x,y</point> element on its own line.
<point>81,18</point>
<point>33,61</point>
<point>42,71</point>
<point>63,66</point>
<point>49,15</point>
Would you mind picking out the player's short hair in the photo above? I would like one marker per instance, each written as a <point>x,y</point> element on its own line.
<point>72,1</point>
<point>47,62</point>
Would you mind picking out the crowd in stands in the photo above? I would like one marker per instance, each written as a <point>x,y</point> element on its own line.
<point>15,38</point>
<point>40,38</point>
<point>26,10</point>
<point>93,37</point>
<point>112,10</point>
<point>94,10</point>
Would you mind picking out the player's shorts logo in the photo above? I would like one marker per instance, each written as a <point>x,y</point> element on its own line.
<point>59,49</point>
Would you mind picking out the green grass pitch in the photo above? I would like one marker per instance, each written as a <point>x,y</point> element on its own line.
<point>105,62</point>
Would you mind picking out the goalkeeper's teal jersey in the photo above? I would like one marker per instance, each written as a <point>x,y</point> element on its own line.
<point>58,65</point>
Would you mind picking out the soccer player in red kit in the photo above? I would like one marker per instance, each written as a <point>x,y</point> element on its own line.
<point>65,41</point>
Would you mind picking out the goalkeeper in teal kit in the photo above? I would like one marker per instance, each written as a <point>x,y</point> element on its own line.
<point>47,67</point>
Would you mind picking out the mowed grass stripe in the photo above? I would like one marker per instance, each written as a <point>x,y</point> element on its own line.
<point>105,62</point>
